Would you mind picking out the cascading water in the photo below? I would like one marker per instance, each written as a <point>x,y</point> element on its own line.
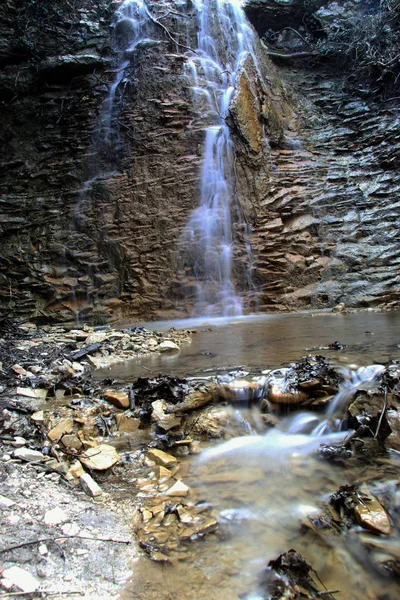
<point>225,39</point>
<point>131,28</point>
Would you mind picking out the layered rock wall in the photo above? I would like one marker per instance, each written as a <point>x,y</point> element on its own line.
<point>96,235</point>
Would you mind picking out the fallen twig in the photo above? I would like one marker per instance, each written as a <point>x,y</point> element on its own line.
<point>47,592</point>
<point>63,537</point>
<point>292,54</point>
<point>383,413</point>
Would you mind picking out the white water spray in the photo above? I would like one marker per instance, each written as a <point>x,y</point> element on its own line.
<point>225,39</point>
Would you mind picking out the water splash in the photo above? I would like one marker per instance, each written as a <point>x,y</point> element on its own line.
<point>224,40</point>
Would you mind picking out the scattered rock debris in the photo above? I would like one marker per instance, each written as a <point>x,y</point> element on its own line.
<point>83,441</point>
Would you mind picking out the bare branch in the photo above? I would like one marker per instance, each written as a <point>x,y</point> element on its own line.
<point>156,22</point>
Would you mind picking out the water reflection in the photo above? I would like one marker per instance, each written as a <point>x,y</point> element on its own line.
<point>270,341</point>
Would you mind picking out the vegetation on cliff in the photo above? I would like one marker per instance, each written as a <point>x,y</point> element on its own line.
<point>362,39</point>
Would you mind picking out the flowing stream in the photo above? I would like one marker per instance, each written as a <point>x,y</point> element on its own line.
<point>266,485</point>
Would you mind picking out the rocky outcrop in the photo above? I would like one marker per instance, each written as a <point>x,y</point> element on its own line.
<point>95,234</point>
<point>326,223</point>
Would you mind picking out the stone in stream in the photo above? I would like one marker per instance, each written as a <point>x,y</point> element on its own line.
<point>168,346</point>
<point>162,418</point>
<point>194,399</point>
<point>118,399</point>
<point>100,457</point>
<point>241,390</point>
<point>370,514</point>
<point>64,426</point>
<point>161,458</point>
<point>277,395</point>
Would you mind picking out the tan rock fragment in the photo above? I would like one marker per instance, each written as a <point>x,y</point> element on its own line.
<point>38,416</point>
<point>126,424</point>
<point>64,426</point>
<point>118,399</point>
<point>55,516</point>
<point>163,420</point>
<point>277,396</point>
<point>89,485</point>
<point>164,474</point>
<point>371,515</point>
<point>32,393</point>
<point>100,458</point>
<point>76,470</point>
<point>161,458</point>
<point>71,441</point>
<point>179,489</point>
<point>96,337</point>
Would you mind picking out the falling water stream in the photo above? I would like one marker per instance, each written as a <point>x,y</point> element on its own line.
<point>225,39</point>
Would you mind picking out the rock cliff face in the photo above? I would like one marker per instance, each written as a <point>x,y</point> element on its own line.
<point>327,225</point>
<point>89,235</point>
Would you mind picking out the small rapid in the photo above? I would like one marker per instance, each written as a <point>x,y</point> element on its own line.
<point>268,489</point>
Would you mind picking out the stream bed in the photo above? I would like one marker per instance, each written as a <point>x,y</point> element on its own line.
<point>268,487</point>
<point>246,459</point>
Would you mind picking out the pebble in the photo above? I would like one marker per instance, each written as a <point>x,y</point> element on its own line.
<point>18,442</point>
<point>21,578</point>
<point>89,485</point>
<point>55,516</point>
<point>161,458</point>
<point>28,455</point>
<point>6,502</point>
<point>43,550</point>
<point>179,489</point>
<point>70,529</point>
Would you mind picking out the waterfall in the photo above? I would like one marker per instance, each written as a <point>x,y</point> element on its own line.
<point>131,28</point>
<point>224,40</point>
